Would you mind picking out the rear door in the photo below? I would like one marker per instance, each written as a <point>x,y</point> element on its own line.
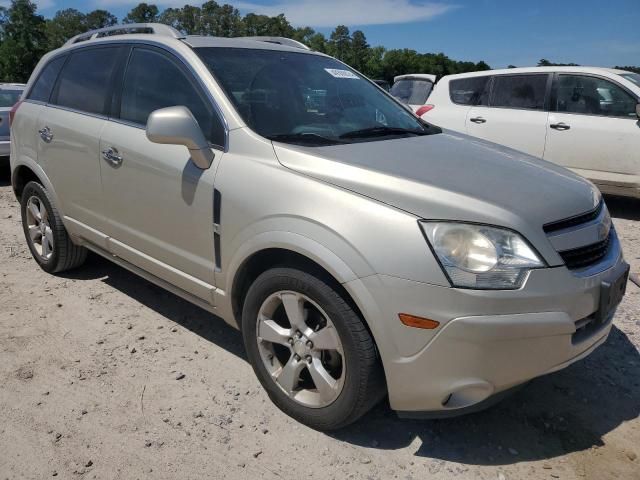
<point>69,131</point>
<point>594,130</point>
<point>160,204</point>
<point>516,115</point>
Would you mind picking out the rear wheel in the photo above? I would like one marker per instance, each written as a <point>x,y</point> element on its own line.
<point>46,236</point>
<point>310,349</point>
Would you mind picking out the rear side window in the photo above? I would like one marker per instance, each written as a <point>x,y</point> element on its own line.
<point>470,91</point>
<point>593,96</point>
<point>85,79</point>
<point>8,98</point>
<point>412,92</point>
<point>41,90</point>
<point>154,81</point>
<point>519,91</point>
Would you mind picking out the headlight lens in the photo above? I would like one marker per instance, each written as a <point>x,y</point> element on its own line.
<point>481,257</point>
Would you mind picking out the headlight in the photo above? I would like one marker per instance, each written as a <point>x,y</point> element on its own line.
<point>481,257</point>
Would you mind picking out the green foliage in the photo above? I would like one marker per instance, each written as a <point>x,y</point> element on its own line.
<point>26,36</point>
<point>22,40</point>
<point>546,63</point>
<point>629,68</point>
<point>142,13</point>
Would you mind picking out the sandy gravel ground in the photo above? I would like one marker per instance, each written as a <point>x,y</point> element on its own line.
<point>103,375</point>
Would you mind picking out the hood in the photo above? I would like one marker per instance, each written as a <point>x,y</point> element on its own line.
<point>449,176</point>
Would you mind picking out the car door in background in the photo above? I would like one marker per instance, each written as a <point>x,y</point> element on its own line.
<point>594,130</point>
<point>160,204</point>
<point>69,130</point>
<point>463,93</point>
<point>516,115</point>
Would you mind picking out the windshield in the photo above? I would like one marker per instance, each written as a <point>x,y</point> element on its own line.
<point>8,98</point>
<point>412,92</point>
<point>307,99</point>
<point>632,77</point>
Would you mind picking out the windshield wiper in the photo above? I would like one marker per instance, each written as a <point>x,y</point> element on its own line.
<point>380,132</point>
<point>308,137</point>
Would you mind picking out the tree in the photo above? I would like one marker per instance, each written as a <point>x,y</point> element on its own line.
<point>255,25</point>
<point>629,68</point>
<point>187,20</point>
<point>99,19</point>
<point>23,41</point>
<point>142,13</point>
<point>546,63</point>
<point>318,42</point>
<point>339,44</point>
<point>64,25</point>
<point>360,50</point>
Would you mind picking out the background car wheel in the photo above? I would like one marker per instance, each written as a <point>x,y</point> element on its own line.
<point>46,236</point>
<point>310,350</point>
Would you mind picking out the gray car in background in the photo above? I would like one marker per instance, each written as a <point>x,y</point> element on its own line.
<point>361,251</point>
<point>9,96</point>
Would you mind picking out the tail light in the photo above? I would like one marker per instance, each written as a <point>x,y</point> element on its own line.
<point>424,109</point>
<point>12,112</point>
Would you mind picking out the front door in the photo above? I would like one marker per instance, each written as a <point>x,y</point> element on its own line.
<point>516,115</point>
<point>160,204</point>
<point>594,130</point>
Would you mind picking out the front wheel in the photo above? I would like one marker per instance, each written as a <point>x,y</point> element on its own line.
<point>310,349</point>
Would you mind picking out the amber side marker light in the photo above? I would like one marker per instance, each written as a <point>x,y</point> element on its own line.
<point>418,322</point>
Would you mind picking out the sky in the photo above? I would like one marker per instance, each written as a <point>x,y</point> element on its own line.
<point>500,32</point>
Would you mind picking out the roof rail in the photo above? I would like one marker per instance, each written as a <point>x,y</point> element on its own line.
<point>130,28</point>
<point>288,42</point>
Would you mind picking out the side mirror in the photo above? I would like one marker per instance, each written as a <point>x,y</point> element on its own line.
<point>178,126</point>
<point>638,110</point>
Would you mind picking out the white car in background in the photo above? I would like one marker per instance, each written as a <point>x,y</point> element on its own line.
<point>583,118</point>
<point>413,90</point>
<point>9,95</point>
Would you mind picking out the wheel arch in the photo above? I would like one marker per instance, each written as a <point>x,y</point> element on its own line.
<point>26,171</point>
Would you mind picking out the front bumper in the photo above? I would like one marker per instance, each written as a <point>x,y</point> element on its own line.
<point>487,342</point>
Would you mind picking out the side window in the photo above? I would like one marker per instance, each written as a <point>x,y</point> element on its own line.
<point>519,91</point>
<point>41,90</point>
<point>593,96</point>
<point>470,91</point>
<point>85,79</point>
<point>154,81</point>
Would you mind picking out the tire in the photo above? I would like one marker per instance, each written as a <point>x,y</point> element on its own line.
<point>56,252</point>
<point>357,380</point>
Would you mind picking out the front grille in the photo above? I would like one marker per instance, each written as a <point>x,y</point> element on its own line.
<point>585,256</point>
<point>574,221</point>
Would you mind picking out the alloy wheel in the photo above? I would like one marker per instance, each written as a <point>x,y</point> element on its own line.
<point>39,229</point>
<point>301,349</point>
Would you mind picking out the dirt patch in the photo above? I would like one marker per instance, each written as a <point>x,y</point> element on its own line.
<point>108,376</point>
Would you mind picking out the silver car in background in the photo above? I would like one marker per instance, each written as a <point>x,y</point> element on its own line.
<point>361,251</point>
<point>9,96</point>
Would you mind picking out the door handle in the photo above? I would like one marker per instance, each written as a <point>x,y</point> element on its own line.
<point>112,156</point>
<point>478,120</point>
<point>45,134</point>
<point>560,126</point>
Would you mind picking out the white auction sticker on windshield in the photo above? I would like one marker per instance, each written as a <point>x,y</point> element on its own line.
<point>336,72</point>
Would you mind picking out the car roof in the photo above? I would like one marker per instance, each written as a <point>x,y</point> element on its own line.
<point>12,86</point>
<point>416,76</point>
<point>160,33</point>
<point>576,69</point>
